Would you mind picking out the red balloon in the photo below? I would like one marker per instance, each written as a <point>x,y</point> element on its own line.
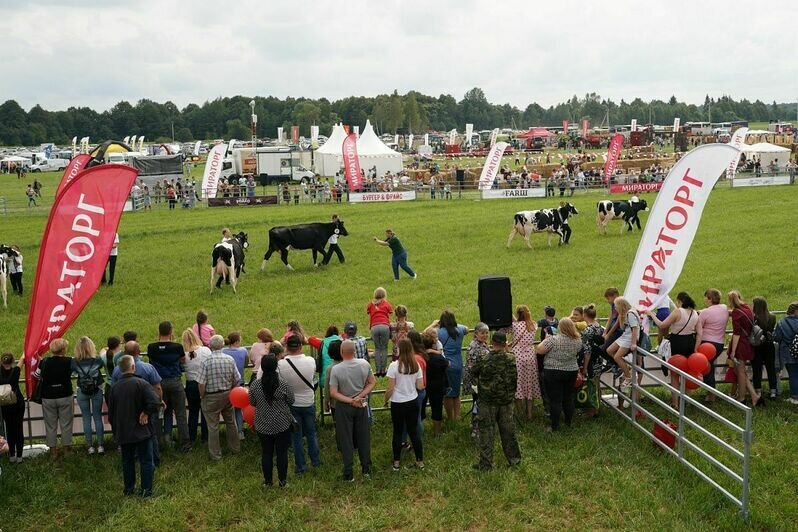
<point>239,397</point>
<point>698,363</point>
<point>708,350</point>
<point>690,385</point>
<point>679,361</point>
<point>249,415</point>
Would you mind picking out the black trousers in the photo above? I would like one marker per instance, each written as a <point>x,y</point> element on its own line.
<point>271,444</point>
<point>566,233</point>
<point>765,356</point>
<point>333,248</point>
<point>13,416</point>
<point>560,389</point>
<point>435,398</point>
<point>16,282</point>
<point>404,416</point>
<point>111,269</point>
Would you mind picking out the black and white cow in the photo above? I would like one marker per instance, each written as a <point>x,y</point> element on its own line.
<point>553,221</point>
<point>628,211</point>
<point>227,260</point>
<point>312,236</point>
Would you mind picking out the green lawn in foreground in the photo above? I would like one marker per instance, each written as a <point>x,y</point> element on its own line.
<point>601,474</point>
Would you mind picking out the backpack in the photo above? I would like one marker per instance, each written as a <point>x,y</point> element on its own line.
<point>86,383</point>
<point>757,335</point>
<point>792,348</point>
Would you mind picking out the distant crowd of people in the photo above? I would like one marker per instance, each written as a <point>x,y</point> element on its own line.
<point>192,385</point>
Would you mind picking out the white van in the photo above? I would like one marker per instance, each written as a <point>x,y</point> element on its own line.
<point>49,165</point>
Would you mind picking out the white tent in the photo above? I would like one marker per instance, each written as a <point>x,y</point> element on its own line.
<point>328,158</point>
<point>767,153</point>
<point>371,152</point>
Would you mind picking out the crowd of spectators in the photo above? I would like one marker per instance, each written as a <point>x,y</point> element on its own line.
<point>191,385</point>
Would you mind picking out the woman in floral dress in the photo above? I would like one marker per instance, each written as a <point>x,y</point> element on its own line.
<point>528,387</point>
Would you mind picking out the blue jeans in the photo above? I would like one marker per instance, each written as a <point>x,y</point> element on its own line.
<point>400,261</point>
<point>143,452</point>
<point>422,394</point>
<point>91,407</point>
<point>792,372</point>
<point>305,417</point>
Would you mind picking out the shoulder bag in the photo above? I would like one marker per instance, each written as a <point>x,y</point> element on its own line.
<point>757,335</point>
<point>307,383</point>
<point>7,395</point>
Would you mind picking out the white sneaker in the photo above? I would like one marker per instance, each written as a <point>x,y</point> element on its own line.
<point>415,276</point>
<point>242,436</point>
<point>100,449</point>
<point>12,459</point>
<point>91,450</point>
<point>792,401</point>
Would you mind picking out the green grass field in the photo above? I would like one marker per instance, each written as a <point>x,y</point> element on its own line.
<point>600,474</point>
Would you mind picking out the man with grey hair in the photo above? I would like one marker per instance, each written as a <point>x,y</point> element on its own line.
<point>147,372</point>
<point>351,381</point>
<point>218,375</point>
<point>131,403</point>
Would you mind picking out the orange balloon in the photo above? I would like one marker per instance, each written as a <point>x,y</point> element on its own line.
<point>249,415</point>
<point>708,350</point>
<point>690,385</point>
<point>698,363</point>
<point>679,361</point>
<point>239,397</point>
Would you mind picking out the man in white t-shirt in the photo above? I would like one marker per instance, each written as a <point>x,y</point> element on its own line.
<point>298,370</point>
<point>334,247</point>
<point>112,261</point>
<point>351,381</point>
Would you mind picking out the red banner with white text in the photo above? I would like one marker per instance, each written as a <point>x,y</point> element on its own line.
<point>77,164</point>
<point>565,127</point>
<point>75,248</point>
<point>634,188</point>
<point>352,163</point>
<point>585,126</point>
<point>613,153</point>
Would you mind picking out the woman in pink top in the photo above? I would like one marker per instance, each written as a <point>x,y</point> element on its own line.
<point>711,328</point>
<point>260,348</point>
<point>740,348</point>
<point>379,311</point>
<point>202,328</point>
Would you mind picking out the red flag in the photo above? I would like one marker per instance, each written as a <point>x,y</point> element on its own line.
<point>585,125</point>
<point>565,127</point>
<point>77,164</point>
<point>614,151</point>
<point>295,134</point>
<point>75,248</point>
<point>352,163</point>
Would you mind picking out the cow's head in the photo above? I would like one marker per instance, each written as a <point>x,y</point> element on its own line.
<point>242,239</point>
<point>641,205</point>
<point>339,228</point>
<point>567,209</point>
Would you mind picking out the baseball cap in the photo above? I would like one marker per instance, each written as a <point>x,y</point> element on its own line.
<point>350,328</point>
<point>499,338</point>
<point>293,341</point>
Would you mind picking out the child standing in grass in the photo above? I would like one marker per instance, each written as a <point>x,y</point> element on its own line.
<point>399,330</point>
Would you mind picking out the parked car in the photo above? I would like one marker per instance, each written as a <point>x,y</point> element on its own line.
<point>49,165</point>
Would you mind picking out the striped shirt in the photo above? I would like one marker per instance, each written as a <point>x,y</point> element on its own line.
<point>218,372</point>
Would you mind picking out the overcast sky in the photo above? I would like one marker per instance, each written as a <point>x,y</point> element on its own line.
<point>88,53</point>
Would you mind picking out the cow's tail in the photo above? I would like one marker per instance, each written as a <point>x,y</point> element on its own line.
<point>518,224</point>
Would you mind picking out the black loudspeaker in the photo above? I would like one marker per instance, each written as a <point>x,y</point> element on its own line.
<point>460,175</point>
<point>495,300</point>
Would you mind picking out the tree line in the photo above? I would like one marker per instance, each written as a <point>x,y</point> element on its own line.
<point>413,112</point>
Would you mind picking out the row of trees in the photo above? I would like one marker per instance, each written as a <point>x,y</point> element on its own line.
<point>390,113</point>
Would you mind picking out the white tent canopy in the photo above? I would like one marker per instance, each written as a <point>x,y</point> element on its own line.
<point>371,151</point>
<point>767,153</point>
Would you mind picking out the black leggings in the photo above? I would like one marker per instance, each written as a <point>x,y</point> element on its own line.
<point>435,398</point>
<point>13,415</point>
<point>268,444</point>
<point>765,356</point>
<point>404,416</point>
<point>560,389</point>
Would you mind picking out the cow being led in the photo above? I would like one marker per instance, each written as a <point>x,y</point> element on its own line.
<point>553,221</point>
<point>304,236</point>
<point>227,260</point>
<point>627,211</point>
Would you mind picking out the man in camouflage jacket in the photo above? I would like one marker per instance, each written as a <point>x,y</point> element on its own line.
<point>495,374</point>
